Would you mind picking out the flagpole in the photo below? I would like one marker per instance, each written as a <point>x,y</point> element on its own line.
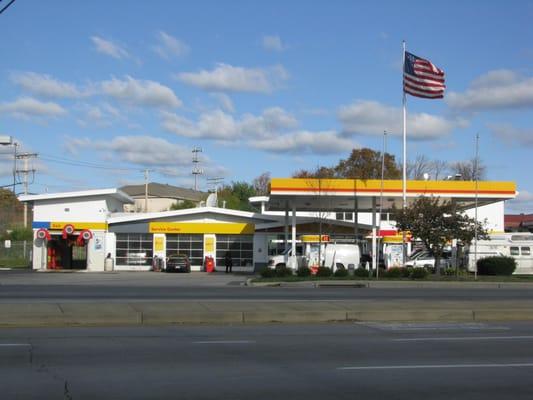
<point>404,178</point>
<point>404,185</point>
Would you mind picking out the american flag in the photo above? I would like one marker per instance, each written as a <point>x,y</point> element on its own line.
<point>421,78</point>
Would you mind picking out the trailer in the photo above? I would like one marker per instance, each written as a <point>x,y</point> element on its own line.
<point>516,245</point>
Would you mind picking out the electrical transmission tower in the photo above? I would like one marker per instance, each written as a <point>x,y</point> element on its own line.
<point>24,174</point>
<point>196,170</point>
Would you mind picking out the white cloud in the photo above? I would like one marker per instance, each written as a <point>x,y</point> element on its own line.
<point>523,203</point>
<point>169,46</point>
<point>237,79</point>
<point>225,101</point>
<point>306,142</point>
<point>513,136</point>
<point>109,48</point>
<point>46,86</point>
<point>141,92</point>
<point>499,89</point>
<point>26,107</point>
<point>372,118</point>
<point>273,43</point>
<point>160,155</point>
<point>224,127</point>
<point>141,150</point>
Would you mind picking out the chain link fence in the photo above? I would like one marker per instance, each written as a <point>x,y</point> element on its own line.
<point>16,254</point>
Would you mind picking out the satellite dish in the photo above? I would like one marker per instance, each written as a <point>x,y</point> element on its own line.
<point>211,200</point>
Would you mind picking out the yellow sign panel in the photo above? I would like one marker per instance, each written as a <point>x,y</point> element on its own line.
<point>209,244</point>
<point>199,227</point>
<point>78,226</point>
<point>314,238</point>
<point>159,243</point>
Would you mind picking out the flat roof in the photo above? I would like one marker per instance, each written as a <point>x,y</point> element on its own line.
<point>342,194</point>
<point>115,193</point>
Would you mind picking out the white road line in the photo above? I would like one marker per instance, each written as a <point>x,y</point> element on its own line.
<point>458,338</point>
<point>224,342</point>
<point>383,367</point>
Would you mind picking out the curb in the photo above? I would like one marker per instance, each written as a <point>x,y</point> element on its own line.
<point>73,318</point>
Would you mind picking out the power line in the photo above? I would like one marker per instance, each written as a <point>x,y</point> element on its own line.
<point>7,6</point>
<point>86,164</point>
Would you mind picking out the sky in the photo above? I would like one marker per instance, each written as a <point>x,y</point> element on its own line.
<point>103,90</point>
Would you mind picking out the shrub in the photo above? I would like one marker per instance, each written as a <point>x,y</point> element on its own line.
<point>361,272</point>
<point>419,273</point>
<point>449,271</point>
<point>323,272</point>
<point>341,271</point>
<point>498,265</point>
<point>394,272</point>
<point>267,273</point>
<point>303,271</point>
<point>406,272</point>
<point>282,271</point>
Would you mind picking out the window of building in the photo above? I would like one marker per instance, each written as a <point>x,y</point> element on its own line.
<point>339,216</point>
<point>525,251</point>
<point>348,216</point>
<point>190,245</point>
<point>241,248</point>
<point>515,251</point>
<point>134,249</point>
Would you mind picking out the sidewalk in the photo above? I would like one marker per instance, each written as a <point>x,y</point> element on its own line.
<point>255,312</point>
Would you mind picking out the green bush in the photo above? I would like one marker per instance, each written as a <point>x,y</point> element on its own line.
<point>361,272</point>
<point>341,271</point>
<point>282,271</point>
<point>267,273</point>
<point>406,272</point>
<point>394,272</point>
<point>418,273</point>
<point>323,272</point>
<point>303,271</point>
<point>449,271</point>
<point>498,265</point>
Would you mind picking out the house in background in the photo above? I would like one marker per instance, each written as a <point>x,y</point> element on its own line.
<point>518,222</point>
<point>160,197</point>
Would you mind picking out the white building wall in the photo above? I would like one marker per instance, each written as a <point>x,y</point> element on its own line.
<point>493,214</point>
<point>71,210</point>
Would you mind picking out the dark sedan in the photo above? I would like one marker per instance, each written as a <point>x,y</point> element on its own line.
<point>178,263</point>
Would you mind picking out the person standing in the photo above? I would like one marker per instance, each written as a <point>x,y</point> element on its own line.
<point>228,262</point>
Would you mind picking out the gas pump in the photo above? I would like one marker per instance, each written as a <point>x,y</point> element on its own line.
<point>314,248</point>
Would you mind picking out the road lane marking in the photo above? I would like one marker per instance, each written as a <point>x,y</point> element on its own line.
<point>384,367</point>
<point>224,342</point>
<point>456,338</point>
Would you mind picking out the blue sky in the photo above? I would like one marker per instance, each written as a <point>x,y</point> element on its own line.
<point>260,86</point>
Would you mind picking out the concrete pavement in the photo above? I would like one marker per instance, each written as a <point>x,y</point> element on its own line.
<point>253,312</point>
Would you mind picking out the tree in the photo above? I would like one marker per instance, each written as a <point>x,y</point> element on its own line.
<point>361,164</point>
<point>183,205</point>
<point>261,184</point>
<point>417,168</point>
<point>11,210</point>
<point>436,223</point>
<point>236,196</point>
<point>466,170</point>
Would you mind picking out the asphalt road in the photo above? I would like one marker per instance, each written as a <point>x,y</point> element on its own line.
<point>53,287</point>
<point>334,361</point>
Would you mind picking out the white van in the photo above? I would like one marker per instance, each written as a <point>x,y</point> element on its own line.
<point>279,259</point>
<point>342,255</point>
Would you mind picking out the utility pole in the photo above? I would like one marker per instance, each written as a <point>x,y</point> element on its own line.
<point>25,172</point>
<point>146,176</point>
<point>195,169</point>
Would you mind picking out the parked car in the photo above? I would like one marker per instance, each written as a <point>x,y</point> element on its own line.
<point>426,259</point>
<point>178,263</point>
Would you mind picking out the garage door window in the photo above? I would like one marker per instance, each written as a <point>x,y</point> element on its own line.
<point>134,249</point>
<point>190,245</point>
<point>241,248</point>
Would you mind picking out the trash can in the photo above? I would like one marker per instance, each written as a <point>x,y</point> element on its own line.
<point>108,264</point>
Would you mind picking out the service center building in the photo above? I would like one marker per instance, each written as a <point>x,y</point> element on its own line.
<point>78,230</point>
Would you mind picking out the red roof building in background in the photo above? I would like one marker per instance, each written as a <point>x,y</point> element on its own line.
<point>518,222</point>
